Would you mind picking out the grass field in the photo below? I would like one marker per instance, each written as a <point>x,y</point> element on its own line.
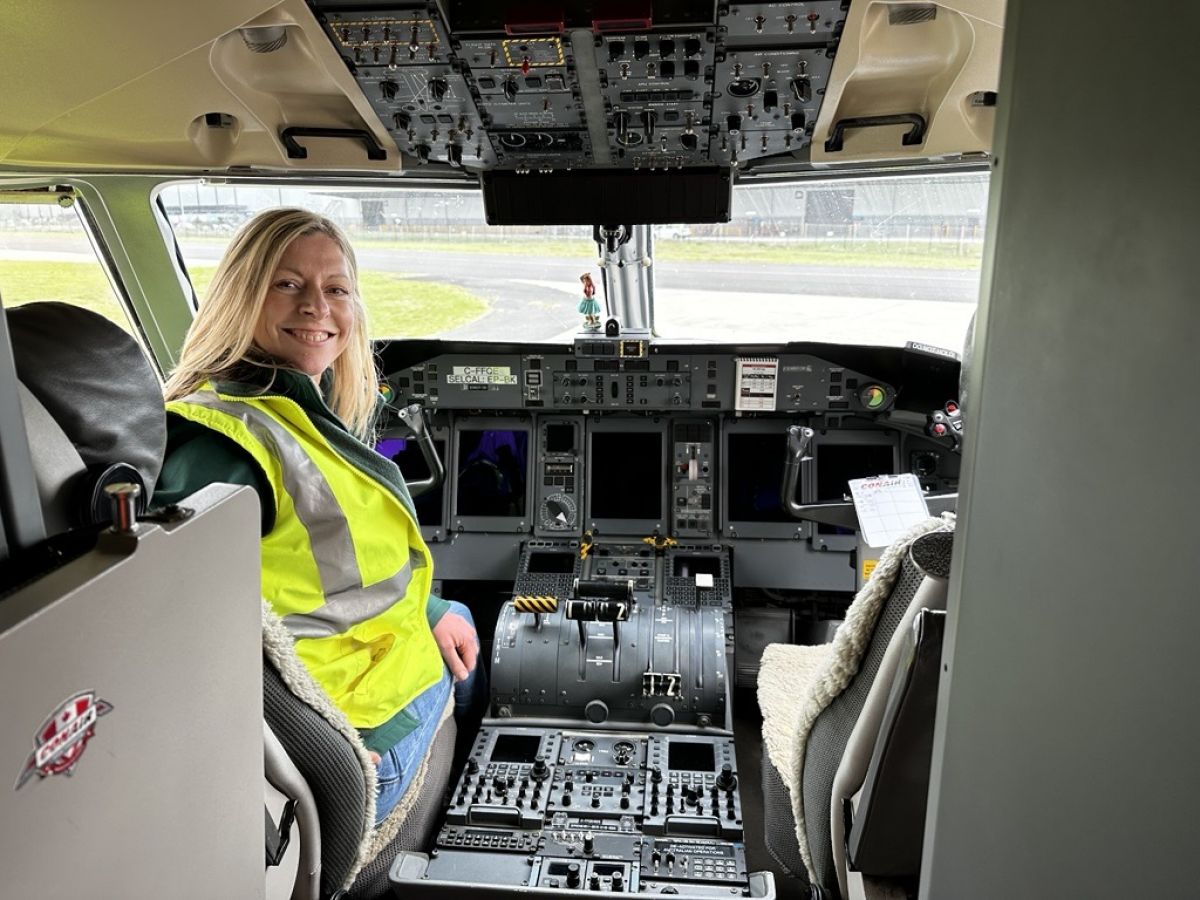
<point>899,254</point>
<point>396,306</point>
<point>919,255</point>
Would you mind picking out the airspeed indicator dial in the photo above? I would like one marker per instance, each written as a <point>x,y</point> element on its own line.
<point>558,512</point>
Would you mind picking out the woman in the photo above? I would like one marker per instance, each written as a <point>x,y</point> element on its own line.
<point>276,389</point>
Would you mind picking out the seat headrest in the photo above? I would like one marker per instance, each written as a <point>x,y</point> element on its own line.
<point>96,383</point>
<point>931,553</point>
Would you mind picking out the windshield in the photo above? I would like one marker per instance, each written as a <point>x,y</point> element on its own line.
<point>869,261</point>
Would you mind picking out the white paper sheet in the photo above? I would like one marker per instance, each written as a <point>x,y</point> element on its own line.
<point>887,506</point>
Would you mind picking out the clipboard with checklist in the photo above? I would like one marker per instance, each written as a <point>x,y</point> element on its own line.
<point>887,507</point>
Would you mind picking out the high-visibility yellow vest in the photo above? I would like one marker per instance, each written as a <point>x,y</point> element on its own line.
<point>344,565</point>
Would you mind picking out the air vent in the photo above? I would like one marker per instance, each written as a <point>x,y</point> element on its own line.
<point>912,13</point>
<point>264,39</point>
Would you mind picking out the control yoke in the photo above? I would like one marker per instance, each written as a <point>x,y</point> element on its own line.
<point>839,514</point>
<point>413,426</point>
<point>798,440</point>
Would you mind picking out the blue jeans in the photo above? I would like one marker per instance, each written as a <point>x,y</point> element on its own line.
<point>397,766</point>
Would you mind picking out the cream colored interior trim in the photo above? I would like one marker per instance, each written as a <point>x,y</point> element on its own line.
<point>143,106</point>
<point>873,889</point>
<point>856,758</point>
<point>931,68</point>
<point>298,876</point>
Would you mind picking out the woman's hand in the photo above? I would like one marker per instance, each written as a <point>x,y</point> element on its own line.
<point>456,639</point>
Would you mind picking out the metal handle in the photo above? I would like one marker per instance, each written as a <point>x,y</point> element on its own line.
<point>538,603</point>
<point>295,151</point>
<point>915,134</point>
<point>124,497</point>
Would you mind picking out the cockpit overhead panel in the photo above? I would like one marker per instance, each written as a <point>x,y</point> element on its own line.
<point>679,85</point>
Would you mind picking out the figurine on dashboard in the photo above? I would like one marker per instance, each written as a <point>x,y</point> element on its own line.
<point>589,306</point>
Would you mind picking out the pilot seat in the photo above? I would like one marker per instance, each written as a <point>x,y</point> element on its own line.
<point>95,418</point>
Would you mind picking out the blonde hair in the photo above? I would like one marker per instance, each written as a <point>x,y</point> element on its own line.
<point>221,338</point>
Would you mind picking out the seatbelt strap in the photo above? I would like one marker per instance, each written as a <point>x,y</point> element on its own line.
<point>279,837</point>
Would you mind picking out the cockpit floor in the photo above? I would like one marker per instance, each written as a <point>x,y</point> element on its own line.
<point>747,730</point>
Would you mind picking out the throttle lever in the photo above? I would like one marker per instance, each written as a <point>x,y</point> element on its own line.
<point>600,601</point>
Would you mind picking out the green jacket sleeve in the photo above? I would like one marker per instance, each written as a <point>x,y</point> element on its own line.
<point>435,608</point>
<point>197,457</point>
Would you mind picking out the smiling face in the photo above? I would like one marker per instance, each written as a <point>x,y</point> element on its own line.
<point>308,313</point>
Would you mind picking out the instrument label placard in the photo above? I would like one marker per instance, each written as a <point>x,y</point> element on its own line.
<point>484,375</point>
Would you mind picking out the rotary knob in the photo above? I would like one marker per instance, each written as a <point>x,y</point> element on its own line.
<point>596,711</point>
<point>726,780</point>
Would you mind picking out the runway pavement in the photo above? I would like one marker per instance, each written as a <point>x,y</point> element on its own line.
<point>532,298</point>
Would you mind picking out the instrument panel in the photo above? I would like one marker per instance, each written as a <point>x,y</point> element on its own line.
<point>610,439</point>
<point>633,487</point>
<point>630,375</point>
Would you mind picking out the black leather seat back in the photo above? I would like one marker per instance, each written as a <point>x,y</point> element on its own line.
<point>87,385</point>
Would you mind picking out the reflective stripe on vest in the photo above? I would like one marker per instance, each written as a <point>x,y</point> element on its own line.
<point>368,645</point>
<point>347,601</point>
